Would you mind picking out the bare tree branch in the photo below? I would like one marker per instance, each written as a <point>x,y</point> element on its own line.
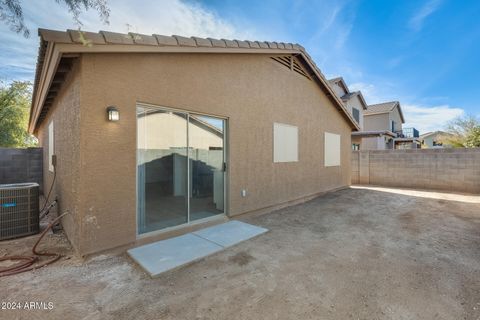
<point>11,12</point>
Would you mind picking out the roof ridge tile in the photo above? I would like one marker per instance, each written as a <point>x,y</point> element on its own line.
<point>242,44</point>
<point>263,44</point>
<point>202,42</point>
<point>218,43</point>
<point>166,40</point>
<point>272,45</point>
<point>230,43</point>
<point>143,39</point>
<point>184,41</point>
<point>117,38</point>
<point>88,37</point>
<point>253,44</point>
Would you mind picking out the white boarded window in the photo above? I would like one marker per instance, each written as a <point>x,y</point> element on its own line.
<point>332,149</point>
<point>285,143</point>
<point>50,147</point>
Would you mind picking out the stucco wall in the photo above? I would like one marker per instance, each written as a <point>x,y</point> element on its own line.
<point>356,103</point>
<point>339,90</point>
<point>65,114</point>
<point>395,116</point>
<point>443,169</point>
<point>376,122</point>
<point>235,86</point>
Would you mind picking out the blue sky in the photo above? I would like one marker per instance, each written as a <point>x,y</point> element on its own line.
<point>423,53</point>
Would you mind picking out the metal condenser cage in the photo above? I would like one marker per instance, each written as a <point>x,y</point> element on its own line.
<point>19,210</point>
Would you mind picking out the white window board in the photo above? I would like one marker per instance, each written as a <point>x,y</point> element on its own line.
<point>285,143</point>
<point>50,146</point>
<point>332,149</point>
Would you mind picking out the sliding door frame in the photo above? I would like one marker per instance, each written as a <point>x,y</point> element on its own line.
<point>226,174</point>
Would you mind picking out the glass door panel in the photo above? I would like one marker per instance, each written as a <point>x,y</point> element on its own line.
<point>206,163</point>
<point>162,168</point>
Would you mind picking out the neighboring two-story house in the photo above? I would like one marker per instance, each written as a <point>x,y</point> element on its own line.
<point>380,124</point>
<point>354,101</point>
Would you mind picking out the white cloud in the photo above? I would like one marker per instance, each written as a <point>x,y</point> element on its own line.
<point>166,17</point>
<point>369,91</point>
<point>416,21</point>
<point>18,55</point>
<point>427,119</point>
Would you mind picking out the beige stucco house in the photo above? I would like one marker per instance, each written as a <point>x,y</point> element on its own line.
<point>148,136</point>
<point>380,124</point>
<point>383,129</point>
<point>354,101</point>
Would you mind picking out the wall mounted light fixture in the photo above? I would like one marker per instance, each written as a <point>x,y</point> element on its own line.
<point>113,114</point>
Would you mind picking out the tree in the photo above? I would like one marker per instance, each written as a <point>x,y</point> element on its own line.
<point>11,12</point>
<point>14,112</point>
<point>465,132</point>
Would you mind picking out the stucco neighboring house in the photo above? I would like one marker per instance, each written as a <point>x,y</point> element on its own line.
<point>383,128</point>
<point>435,139</point>
<point>150,136</point>
<point>354,103</point>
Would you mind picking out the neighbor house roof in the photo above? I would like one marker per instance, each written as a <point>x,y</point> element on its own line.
<point>339,81</point>
<point>352,95</point>
<point>374,133</point>
<point>58,48</point>
<point>428,134</point>
<point>349,95</point>
<point>384,107</point>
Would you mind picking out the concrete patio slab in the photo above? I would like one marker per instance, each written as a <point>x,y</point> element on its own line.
<point>169,254</point>
<point>230,233</point>
<point>158,257</point>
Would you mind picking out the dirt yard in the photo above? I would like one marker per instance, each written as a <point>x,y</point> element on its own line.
<point>361,253</point>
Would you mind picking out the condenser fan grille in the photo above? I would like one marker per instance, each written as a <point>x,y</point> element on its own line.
<point>19,210</point>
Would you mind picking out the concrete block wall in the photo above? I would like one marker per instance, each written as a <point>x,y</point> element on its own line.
<point>439,169</point>
<point>21,165</point>
<point>355,159</point>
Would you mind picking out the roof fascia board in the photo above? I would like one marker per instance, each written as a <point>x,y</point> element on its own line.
<point>400,111</point>
<point>362,100</point>
<point>52,59</point>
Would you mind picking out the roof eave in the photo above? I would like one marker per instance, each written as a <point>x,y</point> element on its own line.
<point>60,43</point>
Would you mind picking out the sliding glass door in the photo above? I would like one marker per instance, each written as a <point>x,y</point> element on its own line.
<point>180,168</point>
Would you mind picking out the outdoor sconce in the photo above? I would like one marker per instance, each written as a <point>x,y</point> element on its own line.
<point>113,114</point>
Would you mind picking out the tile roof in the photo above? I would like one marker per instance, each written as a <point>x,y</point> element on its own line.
<point>381,107</point>
<point>106,41</point>
<point>107,37</point>
<point>374,133</point>
<point>384,107</point>
<point>438,132</point>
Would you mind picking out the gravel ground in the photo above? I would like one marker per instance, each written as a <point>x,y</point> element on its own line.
<point>359,253</point>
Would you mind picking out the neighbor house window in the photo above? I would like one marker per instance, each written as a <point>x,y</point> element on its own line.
<point>355,146</point>
<point>356,114</point>
<point>50,147</point>
<point>332,149</point>
<point>285,143</point>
